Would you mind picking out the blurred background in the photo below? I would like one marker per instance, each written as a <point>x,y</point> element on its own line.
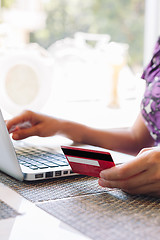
<point>76,59</point>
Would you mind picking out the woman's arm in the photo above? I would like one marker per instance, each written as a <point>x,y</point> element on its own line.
<point>129,141</point>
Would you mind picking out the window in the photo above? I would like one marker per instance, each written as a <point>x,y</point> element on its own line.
<point>152,27</point>
<point>123,20</point>
<point>47,22</point>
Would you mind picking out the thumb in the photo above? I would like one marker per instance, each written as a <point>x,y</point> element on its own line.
<point>145,150</point>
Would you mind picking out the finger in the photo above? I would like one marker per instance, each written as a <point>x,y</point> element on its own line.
<point>25,117</point>
<point>24,133</point>
<point>16,120</point>
<point>127,170</point>
<point>14,128</point>
<point>150,189</point>
<point>134,182</point>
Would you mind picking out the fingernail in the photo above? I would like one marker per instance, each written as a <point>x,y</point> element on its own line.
<point>15,136</point>
<point>101,182</point>
<point>101,174</point>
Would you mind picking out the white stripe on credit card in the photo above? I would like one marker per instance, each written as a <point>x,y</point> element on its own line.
<point>84,161</point>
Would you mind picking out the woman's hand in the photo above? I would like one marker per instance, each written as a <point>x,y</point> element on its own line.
<point>140,176</point>
<point>32,124</point>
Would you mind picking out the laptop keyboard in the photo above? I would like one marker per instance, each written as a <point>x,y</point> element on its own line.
<point>39,159</point>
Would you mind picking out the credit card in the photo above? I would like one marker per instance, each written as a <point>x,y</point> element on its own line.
<point>87,161</point>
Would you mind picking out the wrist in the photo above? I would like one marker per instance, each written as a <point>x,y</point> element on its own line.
<point>62,127</point>
<point>71,130</point>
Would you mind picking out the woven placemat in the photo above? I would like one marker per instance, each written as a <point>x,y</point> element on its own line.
<point>97,212</point>
<point>109,216</point>
<point>39,191</point>
<point>6,211</point>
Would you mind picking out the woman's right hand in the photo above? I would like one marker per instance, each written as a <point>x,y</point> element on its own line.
<point>37,125</point>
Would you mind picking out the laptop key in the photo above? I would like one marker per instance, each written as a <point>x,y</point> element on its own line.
<point>41,166</point>
<point>50,164</point>
<point>33,167</point>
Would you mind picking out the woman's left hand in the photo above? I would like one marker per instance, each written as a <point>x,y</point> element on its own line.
<point>140,176</point>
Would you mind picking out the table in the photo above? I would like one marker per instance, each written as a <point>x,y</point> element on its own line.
<point>98,213</point>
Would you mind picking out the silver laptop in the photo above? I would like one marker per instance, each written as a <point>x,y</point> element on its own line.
<point>30,163</point>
